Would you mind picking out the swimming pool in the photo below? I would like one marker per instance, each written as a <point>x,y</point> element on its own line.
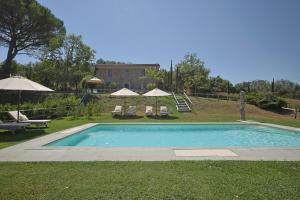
<point>181,135</point>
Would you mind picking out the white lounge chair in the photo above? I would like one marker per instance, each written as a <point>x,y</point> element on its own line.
<point>149,111</point>
<point>131,110</point>
<point>117,111</point>
<point>13,126</point>
<point>164,110</point>
<point>23,119</point>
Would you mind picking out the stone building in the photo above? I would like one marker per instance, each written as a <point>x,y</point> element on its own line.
<point>125,75</point>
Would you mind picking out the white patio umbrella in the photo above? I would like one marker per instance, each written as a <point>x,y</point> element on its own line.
<point>156,93</point>
<point>124,92</point>
<point>19,83</point>
<point>95,80</point>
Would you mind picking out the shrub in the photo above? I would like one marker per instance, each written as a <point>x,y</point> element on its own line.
<point>271,103</point>
<point>89,109</point>
<point>51,106</point>
<point>151,86</point>
<point>97,107</point>
<point>78,111</point>
<point>253,98</point>
<point>265,101</point>
<point>113,85</point>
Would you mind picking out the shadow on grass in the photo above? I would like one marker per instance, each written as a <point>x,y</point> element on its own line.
<point>158,117</point>
<point>125,117</point>
<point>281,111</point>
<point>8,136</point>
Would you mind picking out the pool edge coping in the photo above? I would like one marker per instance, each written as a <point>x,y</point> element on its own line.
<point>39,143</point>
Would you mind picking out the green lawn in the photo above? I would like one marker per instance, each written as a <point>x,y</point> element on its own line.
<point>8,139</point>
<point>151,180</point>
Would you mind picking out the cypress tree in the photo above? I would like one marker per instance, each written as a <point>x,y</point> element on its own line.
<point>171,77</point>
<point>273,86</point>
<point>177,74</point>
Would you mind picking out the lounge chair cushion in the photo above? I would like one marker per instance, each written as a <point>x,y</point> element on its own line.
<point>23,117</point>
<point>14,114</point>
<point>37,121</point>
<point>118,108</point>
<point>131,110</point>
<point>117,111</point>
<point>164,110</point>
<point>149,110</point>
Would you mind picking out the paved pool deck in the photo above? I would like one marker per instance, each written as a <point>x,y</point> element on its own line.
<point>33,150</point>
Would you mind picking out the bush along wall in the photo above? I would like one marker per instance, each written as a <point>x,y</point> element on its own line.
<point>51,106</point>
<point>266,101</point>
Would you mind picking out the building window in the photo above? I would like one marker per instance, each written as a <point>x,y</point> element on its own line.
<point>109,73</point>
<point>143,72</point>
<point>126,71</point>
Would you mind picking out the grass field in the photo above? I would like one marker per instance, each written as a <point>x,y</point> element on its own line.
<point>151,180</point>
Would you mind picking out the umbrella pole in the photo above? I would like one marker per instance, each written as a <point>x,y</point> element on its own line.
<point>19,99</point>
<point>156,106</point>
<point>124,110</point>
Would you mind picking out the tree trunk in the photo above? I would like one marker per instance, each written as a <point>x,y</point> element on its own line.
<point>11,54</point>
<point>7,70</point>
<point>76,86</point>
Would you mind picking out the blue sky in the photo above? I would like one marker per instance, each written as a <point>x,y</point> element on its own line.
<point>239,40</point>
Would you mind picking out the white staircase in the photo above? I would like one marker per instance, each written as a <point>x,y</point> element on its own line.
<point>181,104</point>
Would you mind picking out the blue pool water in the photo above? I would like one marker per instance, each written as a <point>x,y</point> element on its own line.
<point>181,135</point>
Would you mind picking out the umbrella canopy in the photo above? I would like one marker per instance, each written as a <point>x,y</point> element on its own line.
<point>156,93</point>
<point>95,80</point>
<point>19,84</point>
<point>124,92</point>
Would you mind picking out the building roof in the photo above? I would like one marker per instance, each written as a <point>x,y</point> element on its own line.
<point>99,66</point>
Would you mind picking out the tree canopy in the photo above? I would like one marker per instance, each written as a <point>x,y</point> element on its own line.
<point>26,27</point>
<point>192,72</point>
<point>68,63</point>
<point>217,84</point>
<point>102,61</point>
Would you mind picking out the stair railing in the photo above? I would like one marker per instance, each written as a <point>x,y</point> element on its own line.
<point>176,101</point>
<point>188,98</point>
